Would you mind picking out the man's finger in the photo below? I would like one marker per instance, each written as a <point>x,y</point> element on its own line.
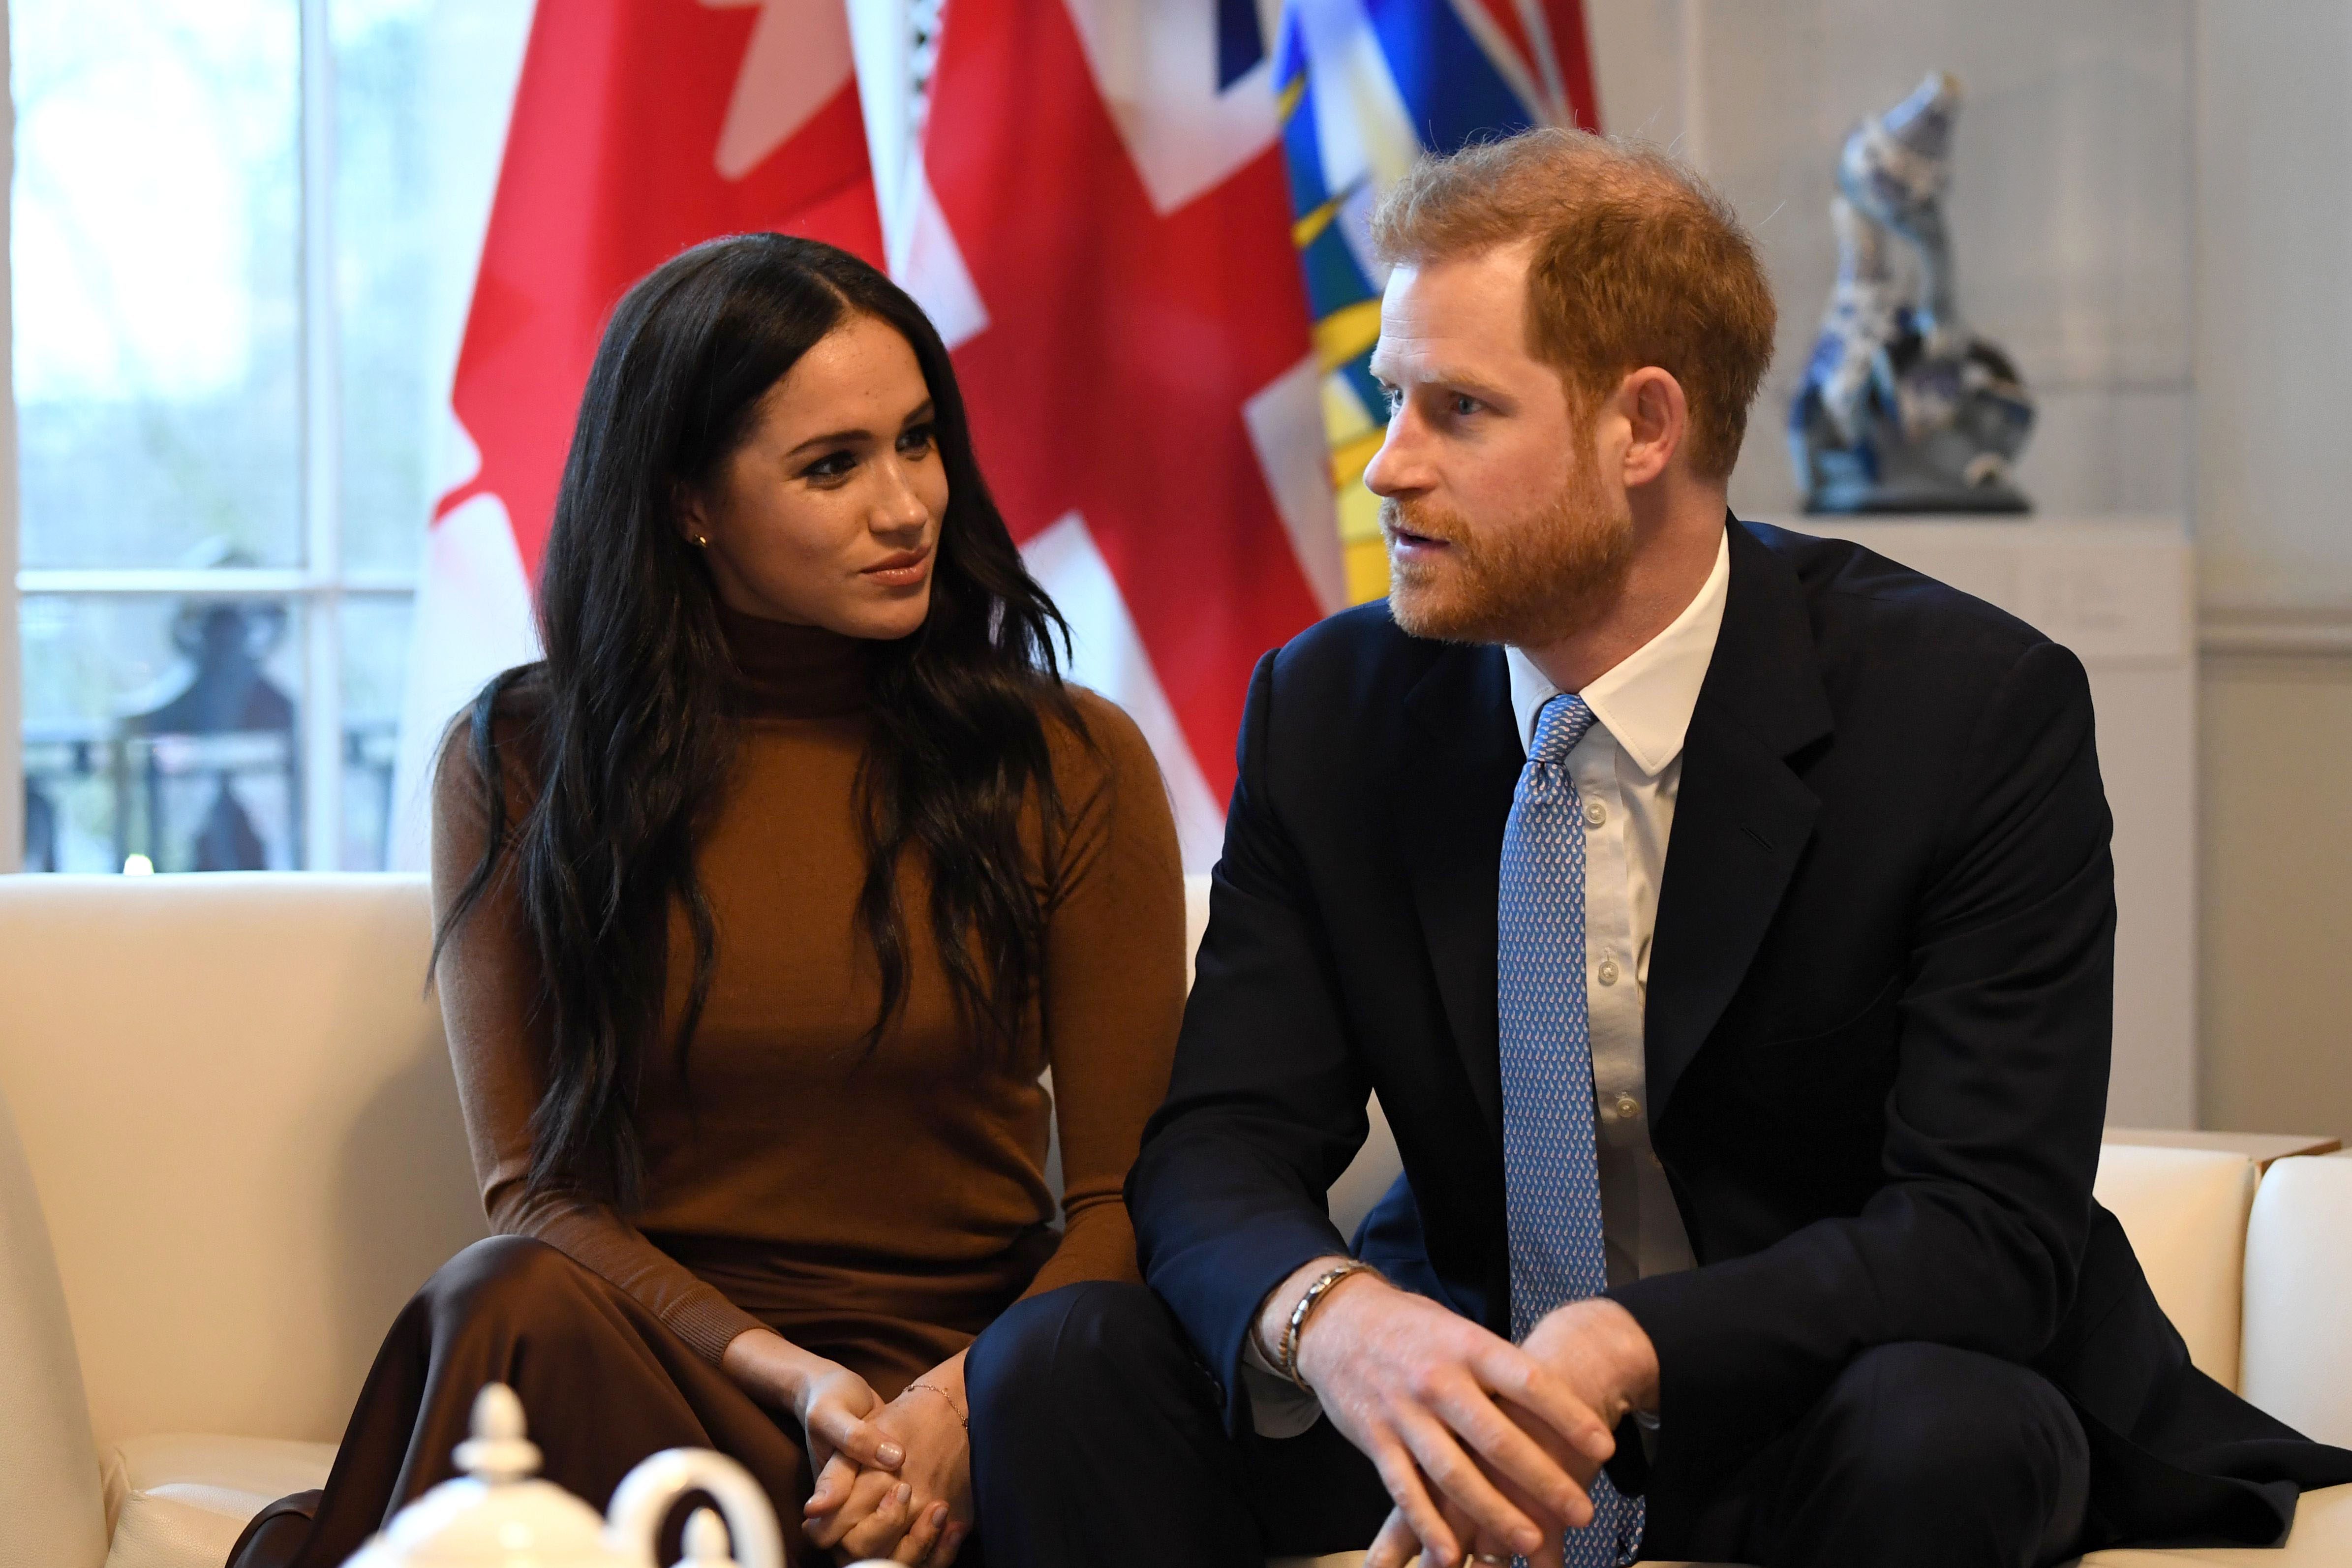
<point>1395,1545</point>
<point>1402,1479</point>
<point>1458,1477</point>
<point>1505,1449</point>
<point>1509,1372</point>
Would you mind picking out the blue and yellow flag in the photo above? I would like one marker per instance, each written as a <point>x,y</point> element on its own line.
<point>1366,87</point>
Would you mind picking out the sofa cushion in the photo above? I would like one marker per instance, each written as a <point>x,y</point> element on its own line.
<point>2322,1539</point>
<point>2299,1301</point>
<point>180,1501</point>
<point>240,1115</point>
<point>2185,1212</point>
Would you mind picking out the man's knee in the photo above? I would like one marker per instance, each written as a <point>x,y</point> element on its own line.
<point>1077,1344</point>
<point>1904,1417</point>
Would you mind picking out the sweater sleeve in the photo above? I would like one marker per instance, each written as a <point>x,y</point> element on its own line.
<point>486,987</point>
<point>1113,991</point>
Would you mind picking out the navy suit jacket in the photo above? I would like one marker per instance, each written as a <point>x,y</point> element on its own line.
<point>1877,1028</point>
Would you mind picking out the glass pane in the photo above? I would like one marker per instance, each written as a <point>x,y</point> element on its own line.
<point>376,657</point>
<point>421,90</point>
<point>155,248</point>
<point>162,727</point>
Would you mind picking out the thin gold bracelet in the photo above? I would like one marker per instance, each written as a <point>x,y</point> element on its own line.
<point>1287,1362</point>
<point>943,1393</point>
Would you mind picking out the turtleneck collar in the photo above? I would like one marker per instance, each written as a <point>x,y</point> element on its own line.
<point>794,673</point>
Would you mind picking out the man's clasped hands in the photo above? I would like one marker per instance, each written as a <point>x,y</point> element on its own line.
<point>1487,1448</point>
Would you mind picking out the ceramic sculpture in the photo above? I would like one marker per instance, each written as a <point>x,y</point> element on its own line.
<point>1902,408</point>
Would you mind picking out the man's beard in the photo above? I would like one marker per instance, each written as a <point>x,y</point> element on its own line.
<point>1528,585</point>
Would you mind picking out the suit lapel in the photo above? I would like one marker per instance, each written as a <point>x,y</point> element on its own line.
<point>1742,816</point>
<point>1454,790</point>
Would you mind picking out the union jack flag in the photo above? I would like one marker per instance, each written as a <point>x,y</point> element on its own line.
<point>1109,222</point>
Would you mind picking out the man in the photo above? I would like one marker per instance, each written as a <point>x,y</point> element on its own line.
<point>1725,919</point>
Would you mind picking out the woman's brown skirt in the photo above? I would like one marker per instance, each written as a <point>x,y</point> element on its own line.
<point>602,1382</point>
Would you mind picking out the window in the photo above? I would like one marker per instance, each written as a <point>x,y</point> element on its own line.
<point>243,233</point>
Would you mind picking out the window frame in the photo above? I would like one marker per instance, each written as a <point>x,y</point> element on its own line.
<point>322,586</point>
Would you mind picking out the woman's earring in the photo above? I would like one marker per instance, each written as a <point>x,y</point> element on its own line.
<point>702,541</point>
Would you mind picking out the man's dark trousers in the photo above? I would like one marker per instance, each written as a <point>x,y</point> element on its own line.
<point>1876,1034</point>
<point>1919,1455</point>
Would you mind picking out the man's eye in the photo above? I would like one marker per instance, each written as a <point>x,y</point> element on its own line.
<point>1393,398</point>
<point>1463,406</point>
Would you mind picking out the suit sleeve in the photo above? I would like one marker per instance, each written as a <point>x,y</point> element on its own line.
<point>1266,1108</point>
<point>1975,1239</point>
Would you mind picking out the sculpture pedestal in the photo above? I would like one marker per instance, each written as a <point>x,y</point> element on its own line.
<point>2119,592</point>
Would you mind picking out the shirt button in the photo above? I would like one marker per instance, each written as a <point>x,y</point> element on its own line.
<point>1595,814</point>
<point>1608,972</point>
<point>1628,1108</point>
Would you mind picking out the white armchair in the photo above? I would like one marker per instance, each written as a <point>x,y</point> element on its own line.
<point>235,1151</point>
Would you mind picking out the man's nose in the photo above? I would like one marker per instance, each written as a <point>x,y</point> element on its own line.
<point>1395,468</point>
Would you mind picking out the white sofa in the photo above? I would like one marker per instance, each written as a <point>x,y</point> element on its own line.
<point>229,1149</point>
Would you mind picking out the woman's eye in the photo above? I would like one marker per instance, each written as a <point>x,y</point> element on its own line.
<point>831,465</point>
<point>918,439</point>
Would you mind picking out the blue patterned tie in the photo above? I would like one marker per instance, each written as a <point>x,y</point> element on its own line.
<point>1551,1173</point>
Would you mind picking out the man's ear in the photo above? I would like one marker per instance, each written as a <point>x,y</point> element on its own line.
<point>1657,418</point>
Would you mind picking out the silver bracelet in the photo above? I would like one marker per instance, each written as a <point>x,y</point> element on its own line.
<point>1287,1362</point>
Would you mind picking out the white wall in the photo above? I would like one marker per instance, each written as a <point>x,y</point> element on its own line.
<point>2069,202</point>
<point>2152,206</point>
<point>2273,369</point>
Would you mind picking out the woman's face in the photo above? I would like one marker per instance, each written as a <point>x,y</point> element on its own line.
<point>828,514</point>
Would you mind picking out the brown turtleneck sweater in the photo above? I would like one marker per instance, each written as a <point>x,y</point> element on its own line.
<point>877,1211</point>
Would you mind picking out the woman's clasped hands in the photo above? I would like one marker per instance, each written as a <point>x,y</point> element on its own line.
<point>893,1476</point>
<point>918,1510</point>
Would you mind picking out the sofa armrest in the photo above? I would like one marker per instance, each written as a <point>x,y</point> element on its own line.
<point>2298,1301</point>
<point>48,1463</point>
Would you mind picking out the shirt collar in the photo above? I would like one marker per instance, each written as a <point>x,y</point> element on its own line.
<point>1646,699</point>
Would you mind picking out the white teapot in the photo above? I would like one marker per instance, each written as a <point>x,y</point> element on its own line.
<point>498,1515</point>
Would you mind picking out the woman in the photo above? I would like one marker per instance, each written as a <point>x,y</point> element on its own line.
<point>801,866</point>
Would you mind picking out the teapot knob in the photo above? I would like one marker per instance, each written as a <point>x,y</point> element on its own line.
<point>706,1542</point>
<point>497,1452</point>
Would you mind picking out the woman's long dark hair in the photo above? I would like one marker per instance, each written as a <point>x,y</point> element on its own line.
<point>631,716</point>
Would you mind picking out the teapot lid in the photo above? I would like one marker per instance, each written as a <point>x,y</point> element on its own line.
<point>497,1513</point>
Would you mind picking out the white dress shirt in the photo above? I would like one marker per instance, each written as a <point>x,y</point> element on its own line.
<point>1627,770</point>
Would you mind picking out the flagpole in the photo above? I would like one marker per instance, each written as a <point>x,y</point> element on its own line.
<point>882,37</point>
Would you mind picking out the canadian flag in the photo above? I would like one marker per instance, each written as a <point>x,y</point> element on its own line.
<point>639,127</point>
<point>1102,232</point>
<point>1100,225</point>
